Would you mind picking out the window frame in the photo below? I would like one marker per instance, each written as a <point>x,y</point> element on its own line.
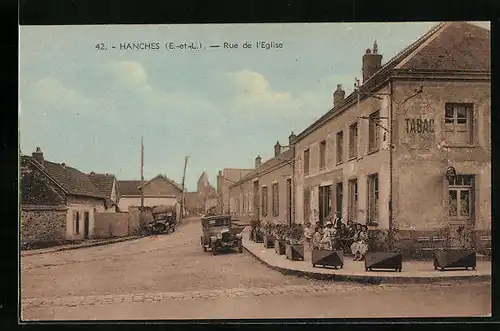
<point>306,205</point>
<point>76,222</point>
<point>264,200</point>
<point>458,187</point>
<point>352,203</point>
<point>339,139</point>
<point>452,131</point>
<point>322,154</point>
<point>307,160</point>
<point>353,140</point>
<point>339,196</point>
<point>275,193</point>
<point>373,197</point>
<point>373,132</point>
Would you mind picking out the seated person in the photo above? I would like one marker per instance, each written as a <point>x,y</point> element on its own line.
<point>317,238</point>
<point>360,246</point>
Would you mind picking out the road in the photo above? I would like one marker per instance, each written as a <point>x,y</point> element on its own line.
<point>170,277</point>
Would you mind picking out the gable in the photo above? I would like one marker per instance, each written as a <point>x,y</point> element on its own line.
<point>161,186</point>
<point>37,189</point>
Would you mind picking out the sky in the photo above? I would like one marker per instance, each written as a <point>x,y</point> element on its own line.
<point>89,107</point>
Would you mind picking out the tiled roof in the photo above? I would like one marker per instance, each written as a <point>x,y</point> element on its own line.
<point>103,183</point>
<point>284,157</point>
<point>457,46</point>
<point>232,175</point>
<point>70,179</point>
<point>129,187</point>
<point>449,46</point>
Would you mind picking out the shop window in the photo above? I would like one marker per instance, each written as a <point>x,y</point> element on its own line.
<point>373,199</point>
<point>373,132</point>
<point>458,122</point>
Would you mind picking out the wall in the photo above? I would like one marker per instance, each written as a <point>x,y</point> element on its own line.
<point>41,225</point>
<point>360,167</point>
<point>160,186</point>
<point>82,205</point>
<point>421,190</point>
<point>113,225</point>
<point>126,202</point>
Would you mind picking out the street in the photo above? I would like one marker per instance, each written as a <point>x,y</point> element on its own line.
<point>170,277</point>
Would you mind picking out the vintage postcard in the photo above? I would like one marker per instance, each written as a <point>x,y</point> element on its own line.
<point>255,171</point>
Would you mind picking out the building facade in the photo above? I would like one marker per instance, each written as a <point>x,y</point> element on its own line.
<point>159,190</point>
<point>265,193</point>
<point>432,101</point>
<point>225,179</point>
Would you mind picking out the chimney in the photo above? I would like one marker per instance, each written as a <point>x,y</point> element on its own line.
<point>291,138</point>
<point>277,149</point>
<point>63,165</point>
<point>372,61</point>
<point>38,156</point>
<point>257,161</point>
<point>338,95</point>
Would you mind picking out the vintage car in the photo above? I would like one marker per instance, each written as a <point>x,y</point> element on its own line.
<point>164,219</point>
<point>219,233</point>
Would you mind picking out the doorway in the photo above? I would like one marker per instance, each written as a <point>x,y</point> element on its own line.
<point>325,202</point>
<point>289,200</point>
<point>86,225</point>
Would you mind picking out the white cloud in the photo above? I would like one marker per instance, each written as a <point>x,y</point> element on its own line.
<point>130,75</point>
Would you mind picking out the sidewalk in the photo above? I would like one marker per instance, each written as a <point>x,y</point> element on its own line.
<point>413,271</point>
<point>85,244</point>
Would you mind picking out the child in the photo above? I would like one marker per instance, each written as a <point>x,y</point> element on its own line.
<point>317,238</point>
<point>308,235</point>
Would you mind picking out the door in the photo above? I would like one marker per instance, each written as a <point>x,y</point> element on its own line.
<point>461,202</point>
<point>86,225</point>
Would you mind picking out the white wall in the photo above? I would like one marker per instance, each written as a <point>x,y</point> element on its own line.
<point>126,202</point>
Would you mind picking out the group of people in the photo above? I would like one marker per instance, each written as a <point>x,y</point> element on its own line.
<point>338,235</point>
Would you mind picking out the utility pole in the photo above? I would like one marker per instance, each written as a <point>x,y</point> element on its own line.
<point>142,179</point>
<point>183,198</point>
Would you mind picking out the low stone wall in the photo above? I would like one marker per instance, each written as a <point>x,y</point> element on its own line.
<point>42,226</point>
<point>109,225</point>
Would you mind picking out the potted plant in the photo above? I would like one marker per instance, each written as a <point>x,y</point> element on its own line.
<point>269,234</point>
<point>294,249</point>
<point>279,238</point>
<point>458,251</point>
<point>383,255</point>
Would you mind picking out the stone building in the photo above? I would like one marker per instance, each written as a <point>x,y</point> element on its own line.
<point>225,179</point>
<point>58,202</point>
<point>433,100</point>
<point>265,193</point>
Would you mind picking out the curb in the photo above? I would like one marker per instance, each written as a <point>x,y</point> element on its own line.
<point>374,280</point>
<point>101,243</point>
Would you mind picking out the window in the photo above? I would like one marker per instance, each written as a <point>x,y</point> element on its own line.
<point>325,202</point>
<point>244,197</point>
<point>340,146</point>
<point>264,201</point>
<point>339,195</point>
<point>353,200</point>
<point>373,132</point>
<point>275,193</point>
<point>458,122</point>
<point>460,196</point>
<point>322,154</point>
<point>353,140</point>
<point>76,222</point>
<point>307,206</point>
<point>306,161</point>
<point>373,199</point>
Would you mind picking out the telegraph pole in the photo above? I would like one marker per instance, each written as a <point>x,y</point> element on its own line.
<point>183,198</point>
<point>142,178</point>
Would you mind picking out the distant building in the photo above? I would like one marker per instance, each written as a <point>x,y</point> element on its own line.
<point>159,190</point>
<point>225,179</point>
<point>58,202</point>
<point>265,193</point>
<point>107,186</point>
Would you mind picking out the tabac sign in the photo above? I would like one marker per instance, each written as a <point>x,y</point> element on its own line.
<point>419,125</point>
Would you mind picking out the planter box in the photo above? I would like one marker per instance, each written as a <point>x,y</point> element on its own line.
<point>294,252</point>
<point>444,259</point>
<point>383,260</point>
<point>328,258</point>
<point>279,246</point>
<point>269,241</point>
